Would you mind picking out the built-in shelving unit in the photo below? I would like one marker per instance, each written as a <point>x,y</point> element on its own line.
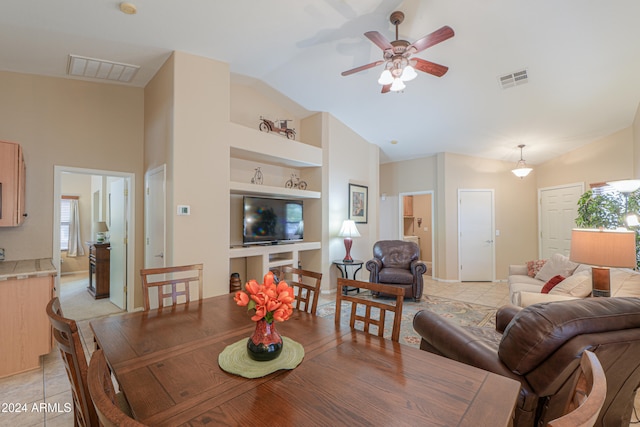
<point>269,151</point>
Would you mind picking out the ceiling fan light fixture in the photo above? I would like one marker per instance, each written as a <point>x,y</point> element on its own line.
<point>397,85</point>
<point>521,169</point>
<point>385,78</point>
<point>408,74</point>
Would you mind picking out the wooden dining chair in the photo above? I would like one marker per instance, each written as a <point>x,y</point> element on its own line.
<point>105,399</point>
<point>67,338</point>
<point>588,395</point>
<point>369,303</point>
<point>170,277</point>
<point>306,286</point>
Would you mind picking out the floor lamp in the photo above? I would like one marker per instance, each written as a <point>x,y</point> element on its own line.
<point>603,249</point>
<point>348,231</point>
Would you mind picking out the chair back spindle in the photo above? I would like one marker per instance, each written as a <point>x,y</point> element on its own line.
<point>368,319</point>
<point>168,281</point>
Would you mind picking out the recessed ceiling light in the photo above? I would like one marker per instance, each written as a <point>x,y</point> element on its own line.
<point>394,142</point>
<point>128,8</point>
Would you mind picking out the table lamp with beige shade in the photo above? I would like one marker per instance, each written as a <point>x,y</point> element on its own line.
<point>102,231</point>
<point>603,249</point>
<point>348,230</point>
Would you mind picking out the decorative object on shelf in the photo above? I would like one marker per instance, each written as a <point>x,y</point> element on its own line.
<point>399,65</point>
<point>270,303</point>
<point>296,182</point>
<point>603,249</point>
<point>270,126</point>
<point>358,203</point>
<point>521,169</point>
<point>257,177</point>
<point>102,232</point>
<point>348,231</point>
<point>234,283</point>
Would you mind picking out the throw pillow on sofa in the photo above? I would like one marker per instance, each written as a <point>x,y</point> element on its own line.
<point>551,284</point>
<point>578,285</point>
<point>533,267</point>
<point>558,264</point>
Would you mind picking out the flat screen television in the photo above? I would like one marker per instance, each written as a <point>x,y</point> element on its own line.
<point>271,221</point>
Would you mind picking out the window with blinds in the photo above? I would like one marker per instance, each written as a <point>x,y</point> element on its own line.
<point>65,219</point>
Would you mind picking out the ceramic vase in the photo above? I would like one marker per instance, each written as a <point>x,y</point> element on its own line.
<point>265,343</point>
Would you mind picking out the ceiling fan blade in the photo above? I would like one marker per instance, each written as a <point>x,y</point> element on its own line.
<point>434,38</point>
<point>430,67</point>
<point>380,40</point>
<point>385,88</point>
<point>362,68</point>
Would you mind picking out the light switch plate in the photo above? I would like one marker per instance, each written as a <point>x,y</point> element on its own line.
<point>1,254</point>
<point>184,210</point>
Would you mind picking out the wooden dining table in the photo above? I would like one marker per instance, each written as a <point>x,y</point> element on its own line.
<point>166,364</point>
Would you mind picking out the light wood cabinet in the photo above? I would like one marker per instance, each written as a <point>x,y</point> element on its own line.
<point>407,202</point>
<point>12,184</point>
<point>26,331</point>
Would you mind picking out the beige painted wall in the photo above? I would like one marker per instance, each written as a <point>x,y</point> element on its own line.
<point>349,160</point>
<point>515,210</point>
<point>249,104</point>
<point>636,144</point>
<point>69,123</point>
<point>608,159</point>
<point>515,205</point>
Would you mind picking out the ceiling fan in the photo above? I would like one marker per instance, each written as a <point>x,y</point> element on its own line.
<point>399,66</point>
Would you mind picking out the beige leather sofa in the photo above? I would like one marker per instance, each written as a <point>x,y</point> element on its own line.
<point>525,290</point>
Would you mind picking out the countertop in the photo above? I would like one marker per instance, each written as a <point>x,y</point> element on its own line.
<point>27,268</point>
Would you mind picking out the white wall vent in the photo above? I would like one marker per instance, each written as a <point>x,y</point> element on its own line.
<point>101,69</point>
<point>513,79</point>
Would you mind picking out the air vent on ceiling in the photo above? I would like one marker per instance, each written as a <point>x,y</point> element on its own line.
<point>101,69</point>
<point>513,79</point>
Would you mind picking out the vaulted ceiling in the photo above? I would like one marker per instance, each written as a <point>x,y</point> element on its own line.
<point>581,58</point>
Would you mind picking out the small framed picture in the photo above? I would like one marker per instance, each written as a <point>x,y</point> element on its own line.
<point>358,203</point>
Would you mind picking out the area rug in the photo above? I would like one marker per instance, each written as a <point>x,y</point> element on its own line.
<point>462,313</point>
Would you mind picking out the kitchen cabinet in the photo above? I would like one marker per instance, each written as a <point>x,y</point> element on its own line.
<point>12,184</point>
<point>407,203</point>
<point>26,287</point>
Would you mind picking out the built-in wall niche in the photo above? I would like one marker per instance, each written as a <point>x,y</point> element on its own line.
<point>251,98</point>
<point>272,175</point>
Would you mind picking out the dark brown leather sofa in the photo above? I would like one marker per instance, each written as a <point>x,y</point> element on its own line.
<point>540,346</point>
<point>396,262</point>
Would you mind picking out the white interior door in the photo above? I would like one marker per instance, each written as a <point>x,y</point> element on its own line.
<point>475,239</point>
<point>558,212</point>
<point>117,206</point>
<point>155,213</point>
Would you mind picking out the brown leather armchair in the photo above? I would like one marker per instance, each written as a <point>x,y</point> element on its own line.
<point>540,346</point>
<point>396,262</point>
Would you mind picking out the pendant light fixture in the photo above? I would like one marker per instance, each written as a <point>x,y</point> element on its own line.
<point>521,169</point>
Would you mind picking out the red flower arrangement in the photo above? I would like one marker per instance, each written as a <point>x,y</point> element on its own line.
<point>270,301</point>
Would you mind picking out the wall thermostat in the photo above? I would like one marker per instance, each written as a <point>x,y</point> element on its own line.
<point>184,210</point>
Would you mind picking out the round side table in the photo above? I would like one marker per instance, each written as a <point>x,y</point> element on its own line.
<point>342,266</point>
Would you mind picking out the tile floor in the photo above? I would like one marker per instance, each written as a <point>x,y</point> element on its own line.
<point>49,384</point>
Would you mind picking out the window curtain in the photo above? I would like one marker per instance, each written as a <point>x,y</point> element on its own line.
<point>75,242</point>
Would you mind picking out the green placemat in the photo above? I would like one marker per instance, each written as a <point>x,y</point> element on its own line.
<point>235,360</point>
